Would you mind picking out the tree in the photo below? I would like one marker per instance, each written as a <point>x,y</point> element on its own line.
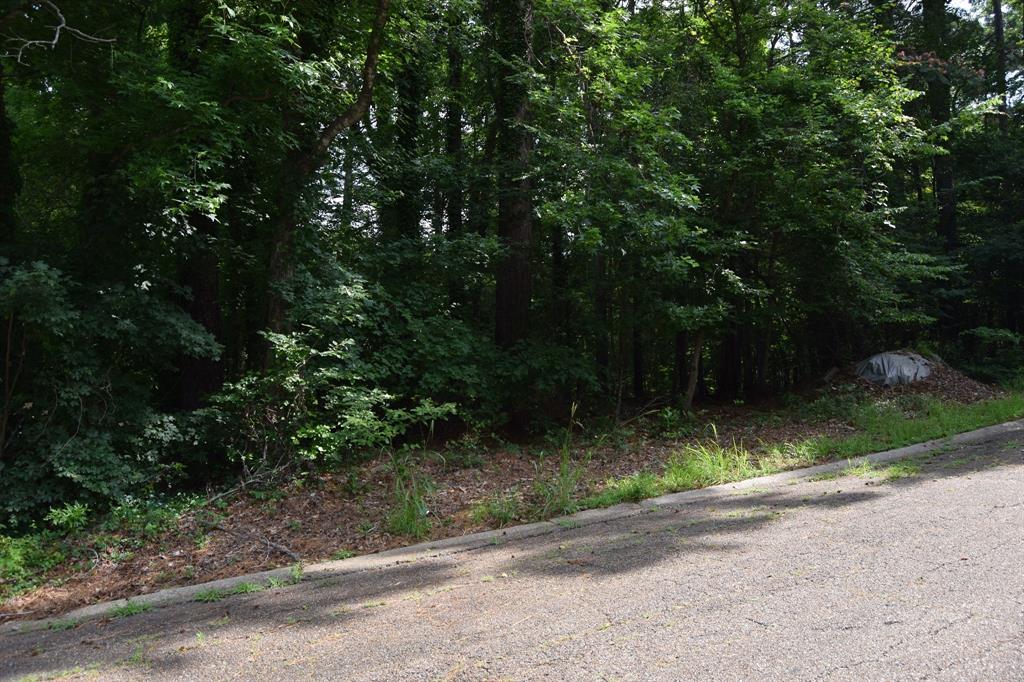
<point>513,47</point>
<point>936,41</point>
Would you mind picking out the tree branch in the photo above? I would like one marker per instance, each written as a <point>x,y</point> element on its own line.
<point>61,27</point>
<point>358,108</point>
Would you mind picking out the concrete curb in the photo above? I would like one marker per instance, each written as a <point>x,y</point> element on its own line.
<point>465,543</point>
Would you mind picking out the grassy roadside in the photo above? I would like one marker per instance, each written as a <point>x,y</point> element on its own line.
<point>689,456</point>
<point>880,426</point>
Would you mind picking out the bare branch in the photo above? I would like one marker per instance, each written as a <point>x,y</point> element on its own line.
<point>61,27</point>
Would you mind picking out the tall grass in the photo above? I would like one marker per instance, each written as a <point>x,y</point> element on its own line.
<point>881,426</point>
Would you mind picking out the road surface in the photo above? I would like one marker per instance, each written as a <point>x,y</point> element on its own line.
<point>850,578</point>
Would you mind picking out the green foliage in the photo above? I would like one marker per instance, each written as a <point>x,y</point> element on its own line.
<point>70,517</point>
<point>80,422</point>
<point>321,400</point>
<point>212,289</point>
<point>24,560</point>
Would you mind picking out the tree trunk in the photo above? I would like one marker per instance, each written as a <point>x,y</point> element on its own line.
<point>200,273</point>
<point>639,389</point>
<point>400,215</point>
<point>1000,47</point>
<point>10,180</point>
<point>199,268</point>
<point>602,312</point>
<point>727,379</point>
<point>453,130</point>
<point>940,107</point>
<point>678,366</point>
<point>691,379</point>
<point>514,44</point>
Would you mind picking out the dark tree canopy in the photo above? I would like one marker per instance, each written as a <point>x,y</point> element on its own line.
<point>247,233</point>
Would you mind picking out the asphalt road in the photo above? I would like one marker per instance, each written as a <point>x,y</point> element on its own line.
<point>851,578</point>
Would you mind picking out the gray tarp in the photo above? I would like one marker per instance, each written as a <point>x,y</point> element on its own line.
<point>893,368</point>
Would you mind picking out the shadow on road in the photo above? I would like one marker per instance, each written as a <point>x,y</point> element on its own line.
<point>329,606</point>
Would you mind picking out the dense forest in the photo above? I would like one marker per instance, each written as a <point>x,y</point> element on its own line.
<point>242,234</point>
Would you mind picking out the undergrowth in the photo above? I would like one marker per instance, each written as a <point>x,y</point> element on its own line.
<point>73,533</point>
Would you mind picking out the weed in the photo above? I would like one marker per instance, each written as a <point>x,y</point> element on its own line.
<point>66,624</point>
<point>274,583</point>
<point>465,453</point>
<point>633,488</point>
<point>409,515</point>
<point>211,595</point>
<point>353,484</point>
<point>674,423</point>
<point>70,517</point>
<point>865,470</point>
<point>708,463</point>
<point>138,656</point>
<point>129,608</point>
<point>24,560</point>
<point>269,495</point>
<point>247,588</point>
<point>901,470</point>
<point>343,554</point>
<point>295,573</point>
<point>499,509</point>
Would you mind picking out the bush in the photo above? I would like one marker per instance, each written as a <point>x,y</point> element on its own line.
<point>24,560</point>
<point>321,399</point>
<point>80,422</point>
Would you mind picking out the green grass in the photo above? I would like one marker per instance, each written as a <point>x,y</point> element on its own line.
<point>210,595</point>
<point>66,624</point>
<point>557,493</point>
<point>247,588</point>
<point>882,426</point>
<point>409,515</point>
<point>499,509</point>
<point>633,488</point>
<point>709,463</point>
<point>343,554</point>
<point>128,609</point>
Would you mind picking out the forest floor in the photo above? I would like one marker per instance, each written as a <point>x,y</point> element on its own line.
<point>474,484</point>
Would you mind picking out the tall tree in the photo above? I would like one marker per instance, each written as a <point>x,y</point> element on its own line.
<point>936,41</point>
<point>1000,48</point>
<point>10,182</point>
<point>301,165</point>
<point>513,44</point>
<point>199,269</point>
